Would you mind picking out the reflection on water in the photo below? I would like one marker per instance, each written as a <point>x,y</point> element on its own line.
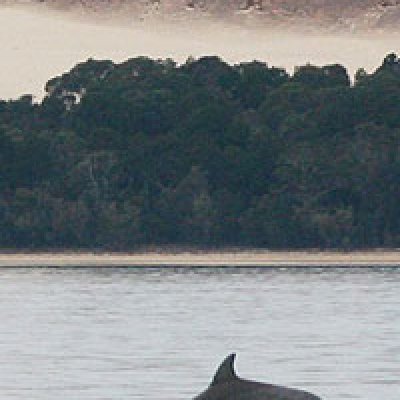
<point>159,333</point>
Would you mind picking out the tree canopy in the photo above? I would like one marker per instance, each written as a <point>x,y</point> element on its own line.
<point>148,152</point>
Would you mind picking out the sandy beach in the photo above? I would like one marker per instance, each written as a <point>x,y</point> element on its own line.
<point>294,259</point>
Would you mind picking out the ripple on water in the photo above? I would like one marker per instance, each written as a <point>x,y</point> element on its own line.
<point>156,333</point>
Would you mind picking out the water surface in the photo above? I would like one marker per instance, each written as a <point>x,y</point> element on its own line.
<point>159,333</point>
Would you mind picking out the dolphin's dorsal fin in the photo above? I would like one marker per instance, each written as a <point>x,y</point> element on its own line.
<point>226,371</point>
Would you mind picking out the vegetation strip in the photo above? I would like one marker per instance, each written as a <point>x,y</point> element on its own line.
<point>204,154</point>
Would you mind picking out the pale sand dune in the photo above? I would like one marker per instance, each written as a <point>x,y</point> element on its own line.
<point>204,259</point>
<point>38,45</point>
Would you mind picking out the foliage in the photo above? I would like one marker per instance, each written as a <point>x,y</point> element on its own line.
<point>148,152</point>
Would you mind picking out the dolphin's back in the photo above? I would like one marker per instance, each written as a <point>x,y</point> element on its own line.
<point>226,385</point>
<point>241,389</point>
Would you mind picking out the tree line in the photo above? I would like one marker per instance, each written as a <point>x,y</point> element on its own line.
<point>204,154</point>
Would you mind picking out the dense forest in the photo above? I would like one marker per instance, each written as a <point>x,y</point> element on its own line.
<point>204,154</point>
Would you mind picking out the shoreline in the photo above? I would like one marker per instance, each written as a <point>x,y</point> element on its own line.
<point>181,259</point>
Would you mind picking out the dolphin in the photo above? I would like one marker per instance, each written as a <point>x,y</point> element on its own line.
<point>226,385</point>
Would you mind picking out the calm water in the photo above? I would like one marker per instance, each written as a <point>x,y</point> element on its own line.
<point>159,334</point>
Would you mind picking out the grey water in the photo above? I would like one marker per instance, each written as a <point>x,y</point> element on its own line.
<point>76,334</point>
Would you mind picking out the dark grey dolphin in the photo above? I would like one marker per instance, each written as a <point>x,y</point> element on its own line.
<point>226,385</point>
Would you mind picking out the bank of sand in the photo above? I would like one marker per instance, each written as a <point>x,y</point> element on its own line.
<point>256,258</point>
